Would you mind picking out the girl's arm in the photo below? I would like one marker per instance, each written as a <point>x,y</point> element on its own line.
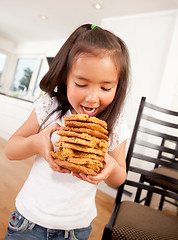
<point>114,171</point>
<point>116,168</point>
<point>27,142</point>
<point>21,144</point>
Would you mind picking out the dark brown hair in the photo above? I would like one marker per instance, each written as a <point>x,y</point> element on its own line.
<point>94,41</point>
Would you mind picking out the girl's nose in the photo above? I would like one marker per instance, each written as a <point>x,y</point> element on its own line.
<point>92,97</point>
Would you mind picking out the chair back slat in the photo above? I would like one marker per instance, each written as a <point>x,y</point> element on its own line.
<point>168,163</point>
<point>159,109</point>
<point>156,147</point>
<point>159,121</point>
<point>153,174</point>
<point>158,134</point>
<point>170,159</point>
<point>152,189</point>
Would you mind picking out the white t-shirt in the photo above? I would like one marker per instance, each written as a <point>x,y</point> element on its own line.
<point>58,200</point>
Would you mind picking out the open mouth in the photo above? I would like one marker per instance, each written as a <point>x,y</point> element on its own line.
<point>89,111</point>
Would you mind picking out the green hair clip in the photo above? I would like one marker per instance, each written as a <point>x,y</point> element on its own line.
<point>93,26</point>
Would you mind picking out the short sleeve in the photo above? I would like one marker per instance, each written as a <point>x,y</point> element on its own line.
<point>43,106</point>
<point>119,133</point>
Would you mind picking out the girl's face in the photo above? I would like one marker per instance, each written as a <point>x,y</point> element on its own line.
<point>91,84</point>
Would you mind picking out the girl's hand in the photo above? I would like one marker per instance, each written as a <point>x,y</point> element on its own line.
<point>103,175</point>
<point>44,146</point>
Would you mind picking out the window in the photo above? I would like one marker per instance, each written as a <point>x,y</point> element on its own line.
<point>3,58</point>
<point>27,75</point>
<point>22,76</point>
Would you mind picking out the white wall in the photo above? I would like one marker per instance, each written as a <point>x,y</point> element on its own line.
<point>168,96</point>
<point>7,45</point>
<point>46,48</point>
<point>152,43</point>
<point>13,113</point>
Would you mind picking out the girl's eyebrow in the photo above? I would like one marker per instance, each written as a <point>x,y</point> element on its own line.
<point>80,77</point>
<point>85,79</point>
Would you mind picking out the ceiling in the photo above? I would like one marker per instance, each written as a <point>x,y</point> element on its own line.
<point>20,19</point>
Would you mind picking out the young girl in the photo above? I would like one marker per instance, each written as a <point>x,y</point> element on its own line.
<point>88,75</point>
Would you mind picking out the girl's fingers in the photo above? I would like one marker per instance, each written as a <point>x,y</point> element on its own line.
<point>77,175</point>
<point>56,167</point>
<point>55,127</point>
<point>52,164</point>
<point>47,146</point>
<point>87,178</point>
<point>50,130</point>
<point>63,170</point>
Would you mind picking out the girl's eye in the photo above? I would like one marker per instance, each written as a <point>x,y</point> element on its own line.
<point>105,89</point>
<point>80,85</point>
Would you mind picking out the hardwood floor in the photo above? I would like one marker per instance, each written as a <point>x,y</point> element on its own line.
<point>12,177</point>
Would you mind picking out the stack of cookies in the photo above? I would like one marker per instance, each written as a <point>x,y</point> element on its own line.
<point>82,144</point>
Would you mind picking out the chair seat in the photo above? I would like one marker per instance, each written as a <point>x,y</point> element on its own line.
<point>167,172</point>
<point>151,223</point>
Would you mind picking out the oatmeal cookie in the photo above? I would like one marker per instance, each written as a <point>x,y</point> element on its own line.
<point>88,131</point>
<point>79,148</point>
<point>100,142</point>
<point>89,125</point>
<point>86,118</point>
<point>75,168</point>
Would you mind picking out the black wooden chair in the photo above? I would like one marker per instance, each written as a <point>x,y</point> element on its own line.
<point>152,166</point>
<point>166,162</point>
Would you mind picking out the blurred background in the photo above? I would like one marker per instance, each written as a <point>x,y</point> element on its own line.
<point>32,32</point>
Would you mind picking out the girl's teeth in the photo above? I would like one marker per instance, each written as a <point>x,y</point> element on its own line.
<point>89,110</point>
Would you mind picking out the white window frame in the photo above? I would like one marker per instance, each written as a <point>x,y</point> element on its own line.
<point>5,67</point>
<point>8,76</point>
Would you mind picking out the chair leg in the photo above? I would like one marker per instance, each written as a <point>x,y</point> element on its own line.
<point>139,190</point>
<point>137,197</point>
<point>161,203</point>
<point>106,234</point>
<point>148,199</point>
